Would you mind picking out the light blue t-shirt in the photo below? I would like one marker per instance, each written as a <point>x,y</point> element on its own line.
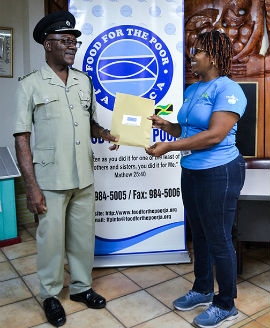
<point>201,99</point>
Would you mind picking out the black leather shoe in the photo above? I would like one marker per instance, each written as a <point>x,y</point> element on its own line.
<point>90,298</point>
<point>54,312</point>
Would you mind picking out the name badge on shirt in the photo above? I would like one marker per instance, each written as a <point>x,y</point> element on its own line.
<point>185,152</point>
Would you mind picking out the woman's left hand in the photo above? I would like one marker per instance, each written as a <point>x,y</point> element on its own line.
<point>158,149</point>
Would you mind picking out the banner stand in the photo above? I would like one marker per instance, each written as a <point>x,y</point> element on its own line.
<point>135,49</point>
<point>142,259</point>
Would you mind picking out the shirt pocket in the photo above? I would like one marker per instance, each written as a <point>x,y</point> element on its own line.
<point>46,106</point>
<point>85,99</point>
<point>44,156</point>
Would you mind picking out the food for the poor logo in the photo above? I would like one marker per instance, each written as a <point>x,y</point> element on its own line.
<point>128,59</point>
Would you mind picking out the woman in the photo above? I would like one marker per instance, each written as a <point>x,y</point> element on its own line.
<point>212,177</point>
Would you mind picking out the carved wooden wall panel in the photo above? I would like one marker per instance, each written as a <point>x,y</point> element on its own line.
<point>54,5</point>
<point>243,22</point>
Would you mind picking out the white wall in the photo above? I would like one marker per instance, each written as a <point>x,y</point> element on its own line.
<point>27,55</point>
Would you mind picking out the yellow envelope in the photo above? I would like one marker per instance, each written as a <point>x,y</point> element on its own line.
<point>129,120</point>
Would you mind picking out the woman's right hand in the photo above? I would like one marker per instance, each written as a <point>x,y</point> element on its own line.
<point>173,129</point>
<point>157,122</point>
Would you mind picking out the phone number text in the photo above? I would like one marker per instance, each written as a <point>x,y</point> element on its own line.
<point>137,194</point>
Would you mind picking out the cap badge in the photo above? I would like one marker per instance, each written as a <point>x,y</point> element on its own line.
<point>68,23</point>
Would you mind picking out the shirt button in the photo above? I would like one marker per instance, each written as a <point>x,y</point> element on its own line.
<point>71,106</point>
<point>76,123</point>
<point>43,162</point>
<point>78,142</point>
<point>67,89</point>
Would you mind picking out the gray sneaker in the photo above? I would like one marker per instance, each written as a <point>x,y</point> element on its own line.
<point>193,299</point>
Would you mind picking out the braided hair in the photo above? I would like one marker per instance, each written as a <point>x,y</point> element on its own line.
<point>219,47</point>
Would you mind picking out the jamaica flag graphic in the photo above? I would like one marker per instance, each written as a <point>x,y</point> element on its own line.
<point>164,109</point>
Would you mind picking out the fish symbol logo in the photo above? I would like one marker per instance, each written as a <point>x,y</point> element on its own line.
<point>128,59</point>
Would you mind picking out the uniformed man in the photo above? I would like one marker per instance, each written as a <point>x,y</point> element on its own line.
<point>58,171</point>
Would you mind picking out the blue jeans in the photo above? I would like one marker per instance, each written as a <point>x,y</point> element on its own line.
<point>210,200</point>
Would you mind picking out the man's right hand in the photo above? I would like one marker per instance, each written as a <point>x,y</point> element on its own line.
<point>36,202</point>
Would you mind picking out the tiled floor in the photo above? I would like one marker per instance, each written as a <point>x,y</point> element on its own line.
<point>138,297</point>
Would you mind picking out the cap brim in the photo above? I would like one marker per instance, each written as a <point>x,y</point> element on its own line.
<point>72,31</point>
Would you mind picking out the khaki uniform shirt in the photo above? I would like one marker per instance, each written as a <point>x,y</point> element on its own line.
<point>59,113</point>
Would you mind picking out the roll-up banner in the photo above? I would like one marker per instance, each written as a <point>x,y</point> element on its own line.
<point>135,47</point>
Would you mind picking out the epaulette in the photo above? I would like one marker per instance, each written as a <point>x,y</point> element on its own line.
<point>23,77</point>
<point>77,70</point>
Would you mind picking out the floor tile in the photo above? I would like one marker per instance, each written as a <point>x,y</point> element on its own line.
<point>170,320</point>
<point>100,272</point>
<point>168,291</point>
<point>147,276</point>
<point>32,282</point>
<point>114,285</point>
<point>251,299</point>
<point>90,318</point>
<point>7,271</point>
<point>137,297</point>
<point>252,267</point>
<point>2,257</point>
<point>28,314</point>
<point>136,308</point>
<point>25,265</point>
<point>44,325</point>
<point>262,280</point>
<point>13,290</point>
<point>252,324</point>
<point>181,268</point>
<point>189,276</point>
<point>20,250</point>
<point>265,319</point>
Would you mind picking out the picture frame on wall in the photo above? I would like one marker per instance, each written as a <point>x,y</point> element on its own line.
<point>6,52</point>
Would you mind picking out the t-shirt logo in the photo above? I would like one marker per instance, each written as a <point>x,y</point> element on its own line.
<point>232,99</point>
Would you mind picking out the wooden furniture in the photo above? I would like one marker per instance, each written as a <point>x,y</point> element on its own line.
<point>253,211</point>
<point>54,5</point>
